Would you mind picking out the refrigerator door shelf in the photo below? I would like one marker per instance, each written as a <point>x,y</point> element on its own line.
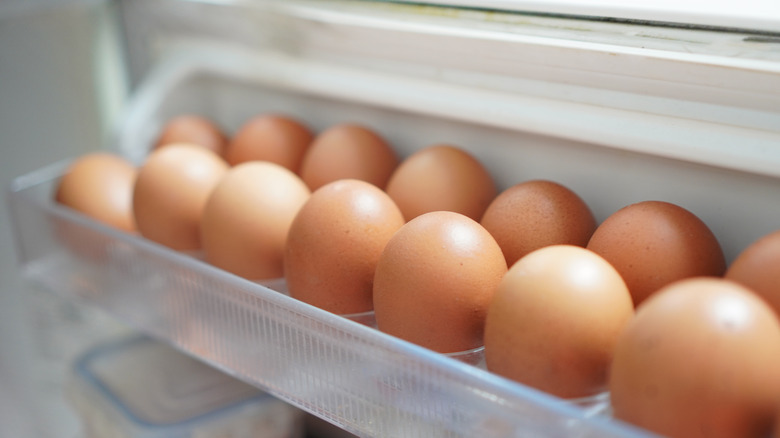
<point>609,84</point>
<point>360,379</point>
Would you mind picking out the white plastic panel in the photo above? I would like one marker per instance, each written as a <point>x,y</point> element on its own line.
<point>761,15</point>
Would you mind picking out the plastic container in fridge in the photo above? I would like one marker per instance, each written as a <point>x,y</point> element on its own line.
<point>140,388</point>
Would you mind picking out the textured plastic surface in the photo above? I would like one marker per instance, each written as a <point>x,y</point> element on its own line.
<point>356,377</point>
<point>137,387</point>
<point>365,381</point>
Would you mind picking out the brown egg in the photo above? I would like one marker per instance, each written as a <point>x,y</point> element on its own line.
<point>535,214</point>
<point>758,268</point>
<point>654,243</point>
<point>278,139</point>
<point>555,319</point>
<point>334,245</point>
<point>193,129</point>
<point>441,177</point>
<point>435,280</point>
<point>100,185</point>
<point>171,191</point>
<point>699,359</point>
<point>776,433</point>
<point>247,218</point>
<point>348,151</point>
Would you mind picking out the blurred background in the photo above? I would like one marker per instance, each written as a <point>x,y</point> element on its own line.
<point>60,90</point>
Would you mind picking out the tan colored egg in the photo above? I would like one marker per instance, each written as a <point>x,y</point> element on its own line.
<point>100,185</point>
<point>247,218</point>
<point>275,138</point>
<point>758,268</point>
<point>555,319</point>
<point>190,128</point>
<point>535,214</point>
<point>441,177</point>
<point>348,151</point>
<point>435,280</point>
<point>654,243</point>
<point>171,191</point>
<point>699,359</point>
<point>334,245</point>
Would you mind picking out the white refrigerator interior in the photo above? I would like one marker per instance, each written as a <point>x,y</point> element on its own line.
<point>623,101</point>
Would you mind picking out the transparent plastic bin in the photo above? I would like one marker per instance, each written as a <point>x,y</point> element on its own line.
<point>365,381</point>
<point>356,377</point>
<point>139,388</point>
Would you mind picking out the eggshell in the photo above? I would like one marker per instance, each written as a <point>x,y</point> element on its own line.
<point>100,185</point>
<point>434,282</point>
<point>275,138</point>
<point>441,177</point>
<point>654,243</point>
<point>699,359</point>
<point>194,129</point>
<point>535,214</point>
<point>246,220</point>
<point>776,433</point>
<point>758,268</point>
<point>171,191</point>
<point>348,151</point>
<point>555,319</point>
<point>334,245</point>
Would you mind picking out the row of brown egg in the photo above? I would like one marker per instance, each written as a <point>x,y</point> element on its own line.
<point>426,243</point>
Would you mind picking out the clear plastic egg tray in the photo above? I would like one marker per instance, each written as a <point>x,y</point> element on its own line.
<point>358,378</point>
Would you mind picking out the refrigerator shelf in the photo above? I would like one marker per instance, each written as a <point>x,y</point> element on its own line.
<point>360,379</point>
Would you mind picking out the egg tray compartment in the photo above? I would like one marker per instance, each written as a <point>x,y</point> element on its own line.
<point>357,377</point>
<point>360,379</point>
